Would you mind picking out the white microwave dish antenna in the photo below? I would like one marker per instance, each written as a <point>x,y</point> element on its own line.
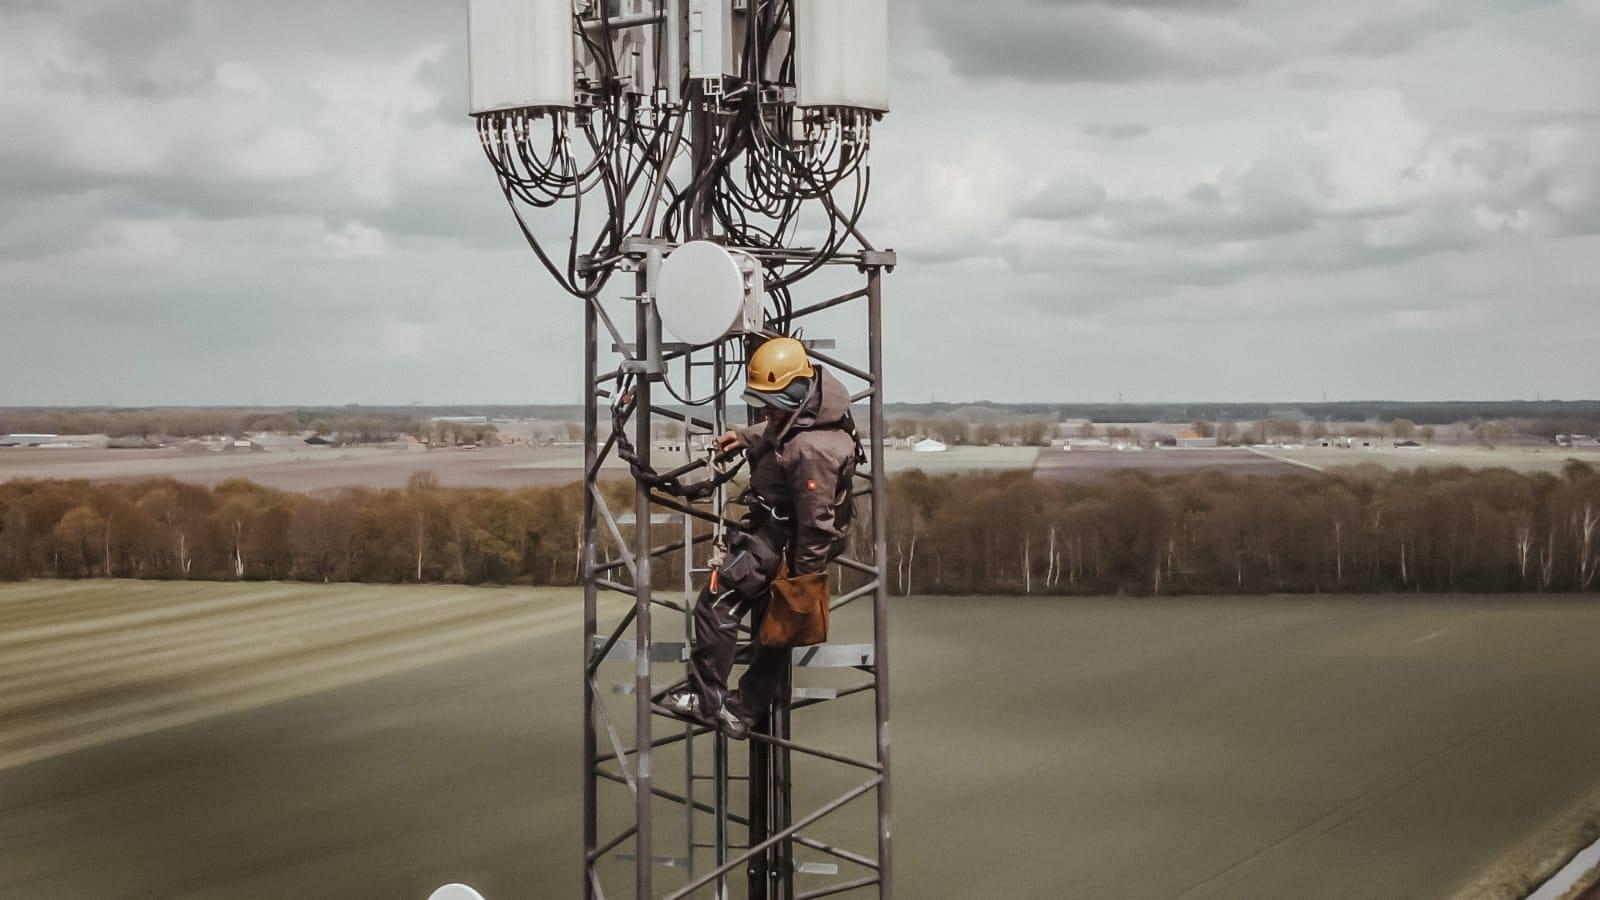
<point>700,292</point>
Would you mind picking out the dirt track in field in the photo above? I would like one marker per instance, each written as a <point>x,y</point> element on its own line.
<point>1089,465</point>
<point>307,470</point>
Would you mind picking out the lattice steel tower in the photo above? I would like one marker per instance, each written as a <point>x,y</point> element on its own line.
<point>738,129</point>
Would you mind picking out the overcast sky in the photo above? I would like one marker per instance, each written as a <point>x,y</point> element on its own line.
<point>238,202</point>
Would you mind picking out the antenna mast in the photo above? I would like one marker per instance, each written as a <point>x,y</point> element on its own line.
<point>717,151</point>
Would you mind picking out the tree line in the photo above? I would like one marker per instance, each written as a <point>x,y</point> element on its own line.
<point>238,530</point>
<point>1355,530</point>
<point>1361,529</point>
<point>191,422</point>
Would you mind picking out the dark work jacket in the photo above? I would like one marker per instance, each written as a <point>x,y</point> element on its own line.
<point>805,477</point>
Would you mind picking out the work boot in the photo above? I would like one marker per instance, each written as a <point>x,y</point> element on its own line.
<point>729,723</point>
<point>685,703</point>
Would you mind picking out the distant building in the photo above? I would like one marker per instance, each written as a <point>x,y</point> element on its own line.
<point>26,440</point>
<point>929,445</point>
<point>1346,442</point>
<point>268,441</point>
<point>64,441</point>
<point>1187,440</point>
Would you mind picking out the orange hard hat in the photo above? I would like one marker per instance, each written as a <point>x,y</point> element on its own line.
<point>774,368</point>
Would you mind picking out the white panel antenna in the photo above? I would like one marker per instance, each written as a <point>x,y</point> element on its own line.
<point>842,54</point>
<point>710,38</point>
<point>520,54</point>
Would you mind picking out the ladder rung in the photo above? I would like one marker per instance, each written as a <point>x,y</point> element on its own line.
<point>666,346</point>
<point>670,862</point>
<point>814,693</point>
<point>655,518</point>
<point>834,656</point>
<point>625,650</point>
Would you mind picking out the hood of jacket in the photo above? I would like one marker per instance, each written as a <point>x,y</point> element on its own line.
<point>828,407</point>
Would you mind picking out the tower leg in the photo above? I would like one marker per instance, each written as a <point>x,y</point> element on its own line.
<point>880,553</point>
<point>643,439</point>
<point>782,797</point>
<point>719,765</point>
<point>760,807</point>
<point>590,611</point>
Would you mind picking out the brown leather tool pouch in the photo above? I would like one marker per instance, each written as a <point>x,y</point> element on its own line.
<point>797,614</point>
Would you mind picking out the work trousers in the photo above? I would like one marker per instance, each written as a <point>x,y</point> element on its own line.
<point>716,642</point>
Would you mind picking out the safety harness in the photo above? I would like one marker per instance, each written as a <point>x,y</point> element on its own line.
<point>843,498</point>
<point>725,466</point>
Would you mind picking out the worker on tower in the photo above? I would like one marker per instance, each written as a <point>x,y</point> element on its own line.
<point>803,457</point>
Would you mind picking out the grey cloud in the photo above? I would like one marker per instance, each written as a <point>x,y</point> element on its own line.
<point>1293,212</point>
<point>447,77</point>
<point>151,53</point>
<point>1275,218</point>
<point>1280,216</point>
<point>1116,131</point>
<point>1203,219</point>
<point>133,41</point>
<point>1184,5</point>
<point>941,254</point>
<point>1083,42</point>
<point>1315,80</point>
<point>1063,199</point>
<point>59,211</point>
<point>1179,245</point>
<point>1275,198</point>
<point>1391,36</point>
<point>64,204</point>
<point>1167,261</point>
<point>31,228</point>
<point>134,32</point>
<point>1556,193</point>
<point>243,280</point>
<point>380,28</point>
<point>473,215</point>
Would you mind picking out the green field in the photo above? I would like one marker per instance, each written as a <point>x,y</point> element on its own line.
<point>270,740</point>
